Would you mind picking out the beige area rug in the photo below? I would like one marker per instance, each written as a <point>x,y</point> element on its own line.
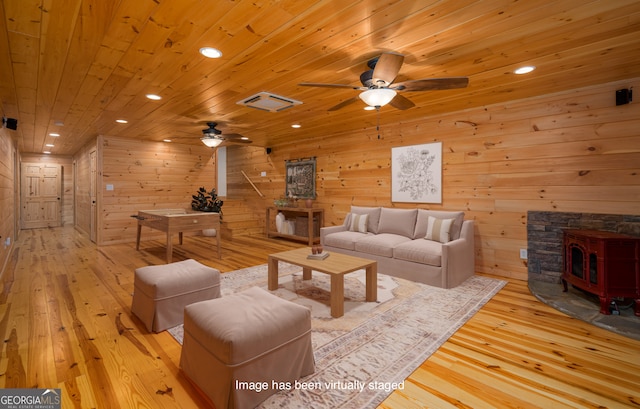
<point>366,354</point>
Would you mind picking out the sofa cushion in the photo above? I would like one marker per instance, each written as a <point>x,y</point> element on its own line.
<point>380,244</point>
<point>422,222</point>
<point>374,216</point>
<point>344,239</point>
<point>358,222</point>
<point>420,251</point>
<point>439,229</point>
<point>398,221</point>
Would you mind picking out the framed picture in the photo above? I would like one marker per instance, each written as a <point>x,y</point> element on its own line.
<point>301,178</point>
<point>416,173</point>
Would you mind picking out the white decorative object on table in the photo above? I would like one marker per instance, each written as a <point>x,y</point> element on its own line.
<point>279,222</point>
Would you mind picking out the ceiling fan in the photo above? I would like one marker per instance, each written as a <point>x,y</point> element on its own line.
<point>378,86</point>
<point>213,137</point>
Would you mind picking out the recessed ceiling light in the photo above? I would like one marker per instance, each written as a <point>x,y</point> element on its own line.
<point>525,70</point>
<point>55,135</point>
<point>58,123</point>
<point>154,97</point>
<point>369,108</point>
<point>47,153</point>
<point>49,145</point>
<point>296,126</point>
<point>121,121</point>
<point>166,140</point>
<point>210,52</point>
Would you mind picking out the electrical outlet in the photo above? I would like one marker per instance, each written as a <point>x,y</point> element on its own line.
<point>523,254</point>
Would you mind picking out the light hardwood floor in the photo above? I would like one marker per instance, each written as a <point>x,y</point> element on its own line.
<point>66,323</point>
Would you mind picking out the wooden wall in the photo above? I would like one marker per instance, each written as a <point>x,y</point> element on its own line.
<point>573,152</point>
<point>66,164</point>
<point>146,175</point>
<point>8,213</point>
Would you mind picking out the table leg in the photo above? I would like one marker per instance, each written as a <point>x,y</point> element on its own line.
<point>169,247</point>
<point>337,295</point>
<point>218,240</point>
<point>138,237</point>
<point>372,283</point>
<point>306,273</point>
<point>272,269</point>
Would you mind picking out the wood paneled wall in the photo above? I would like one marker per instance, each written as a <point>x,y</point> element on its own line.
<point>8,175</point>
<point>66,164</point>
<point>146,175</point>
<point>572,152</point>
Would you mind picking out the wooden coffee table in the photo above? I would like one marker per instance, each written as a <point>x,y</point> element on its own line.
<point>336,265</point>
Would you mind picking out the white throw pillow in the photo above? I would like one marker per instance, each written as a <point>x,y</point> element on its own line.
<point>358,222</point>
<point>439,229</point>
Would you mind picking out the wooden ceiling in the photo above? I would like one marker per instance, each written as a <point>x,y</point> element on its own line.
<point>75,66</point>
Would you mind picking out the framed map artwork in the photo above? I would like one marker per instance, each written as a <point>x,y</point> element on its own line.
<point>416,173</point>
<point>301,178</point>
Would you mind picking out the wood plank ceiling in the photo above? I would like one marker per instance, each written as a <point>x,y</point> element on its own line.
<point>75,66</point>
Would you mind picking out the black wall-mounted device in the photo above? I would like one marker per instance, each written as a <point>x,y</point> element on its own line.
<point>623,96</point>
<point>10,123</point>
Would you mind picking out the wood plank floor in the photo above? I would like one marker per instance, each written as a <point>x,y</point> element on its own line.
<point>66,323</point>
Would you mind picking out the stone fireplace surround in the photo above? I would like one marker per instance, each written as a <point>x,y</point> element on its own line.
<point>544,237</point>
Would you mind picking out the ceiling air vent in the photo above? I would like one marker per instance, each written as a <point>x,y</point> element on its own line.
<point>267,101</point>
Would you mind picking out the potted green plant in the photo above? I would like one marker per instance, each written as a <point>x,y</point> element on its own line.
<point>204,201</point>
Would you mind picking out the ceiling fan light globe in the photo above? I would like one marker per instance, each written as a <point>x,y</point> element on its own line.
<point>211,142</point>
<point>377,97</point>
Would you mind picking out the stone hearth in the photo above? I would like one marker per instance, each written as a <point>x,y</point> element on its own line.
<point>544,237</point>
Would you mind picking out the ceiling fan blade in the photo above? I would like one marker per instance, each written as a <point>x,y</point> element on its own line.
<point>315,84</point>
<point>232,136</point>
<point>430,84</point>
<point>235,138</point>
<point>400,102</point>
<point>387,67</point>
<point>343,104</point>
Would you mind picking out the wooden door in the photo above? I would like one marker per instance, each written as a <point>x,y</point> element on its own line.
<point>41,195</point>
<point>92,195</point>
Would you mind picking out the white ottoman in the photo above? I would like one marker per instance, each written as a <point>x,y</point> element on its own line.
<point>233,343</point>
<point>161,292</point>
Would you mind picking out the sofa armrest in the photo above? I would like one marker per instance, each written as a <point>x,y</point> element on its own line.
<point>330,229</point>
<point>458,257</point>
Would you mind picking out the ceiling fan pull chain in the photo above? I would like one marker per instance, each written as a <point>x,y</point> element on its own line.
<point>378,121</point>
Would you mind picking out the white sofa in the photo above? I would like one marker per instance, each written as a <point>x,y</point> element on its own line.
<point>428,246</point>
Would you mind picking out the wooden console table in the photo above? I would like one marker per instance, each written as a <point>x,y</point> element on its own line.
<point>177,221</point>
<point>309,213</point>
<point>602,263</point>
